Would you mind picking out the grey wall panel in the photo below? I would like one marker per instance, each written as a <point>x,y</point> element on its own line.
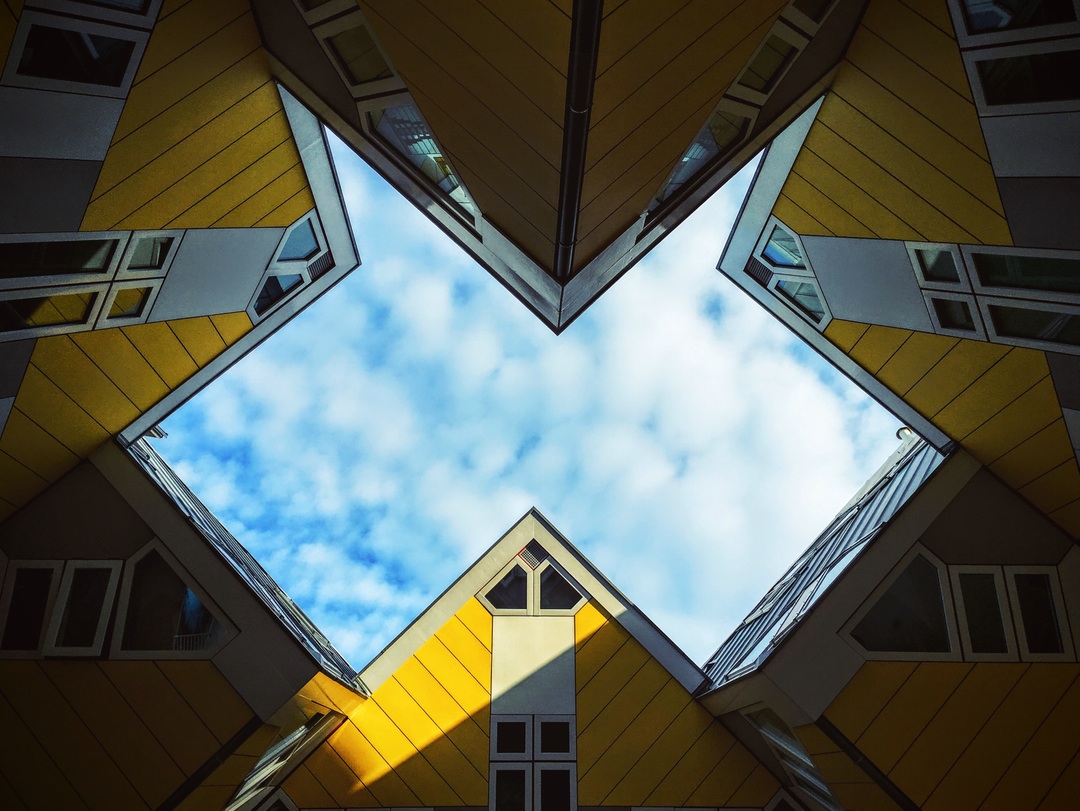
<point>14,358</point>
<point>40,124</point>
<point>45,194</point>
<point>1042,145</point>
<point>868,280</point>
<point>1065,370</point>
<point>1042,211</point>
<point>215,271</point>
<point>81,516</point>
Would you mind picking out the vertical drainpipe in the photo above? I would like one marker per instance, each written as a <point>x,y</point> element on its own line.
<point>580,77</point>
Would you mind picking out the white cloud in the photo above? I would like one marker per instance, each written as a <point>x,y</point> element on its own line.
<point>372,449</point>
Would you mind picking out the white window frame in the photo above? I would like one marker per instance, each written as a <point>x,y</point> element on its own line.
<point>550,563</point>
<point>124,271</point>
<point>786,34</point>
<point>968,40</point>
<point>104,321</point>
<point>977,316</point>
<point>1010,654</point>
<point>53,627</point>
<point>962,285</point>
<point>539,754</point>
<point>954,654</point>
<point>529,735</point>
<point>135,19</point>
<point>1021,293</point>
<point>29,18</point>
<point>985,302</point>
<point>282,267</point>
<point>13,567</point>
<point>106,274</point>
<point>530,599</point>
<point>972,57</point>
<point>100,292</point>
<point>781,273</point>
<point>116,650</point>
<point>338,25</point>
<point>1068,653</point>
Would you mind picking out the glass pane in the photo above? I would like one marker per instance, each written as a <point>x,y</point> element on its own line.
<point>554,790</point>
<point>358,56</point>
<point>1028,272</point>
<point>163,613</point>
<point>512,591</point>
<point>129,302</point>
<point>510,790</point>
<point>405,130</point>
<point>19,259</point>
<point>150,253</point>
<point>782,249</point>
<point>723,130</point>
<point>301,244</point>
<point>82,613</point>
<point>1033,78</point>
<point>937,265</point>
<point>74,56</point>
<point>982,611</point>
<point>510,737</point>
<point>804,296</point>
<point>953,314</point>
<point>814,9</point>
<point>767,66</point>
<point>555,736</point>
<point>1039,325</point>
<point>46,311</point>
<point>910,616</point>
<point>555,592</point>
<point>1037,612</point>
<point>1004,15</point>
<point>26,611</point>
<point>275,289</point>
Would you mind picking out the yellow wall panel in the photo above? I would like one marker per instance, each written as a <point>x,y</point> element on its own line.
<point>814,741</point>
<point>862,797</point>
<point>1044,757</point>
<point>1065,790</point>
<point>206,797</point>
<point>118,358</point>
<point>845,334</point>
<point>28,443</point>
<point>232,326</point>
<point>698,762</point>
<point>758,788</point>
<point>597,651</point>
<point>797,218</point>
<point>66,738</point>
<point>175,34</point>
<point>935,11</point>
<point>164,711</point>
<point>305,790</point>
<point>366,775</point>
<point>735,780</point>
<point>29,769</point>
<point>1055,488</point>
<point>267,207</point>
<point>864,696</point>
<point>1021,419</point>
<point>288,212</point>
<point>963,364</point>
<point>453,676</point>
<point>877,346</point>
<point>589,619</point>
<point>1045,450</point>
<point>61,360</point>
<point>953,728</point>
<point>163,350</point>
<point>836,220</point>
<point>608,681</point>
<point>1002,383</point>
<point>478,620</point>
<point>909,711</point>
<point>1068,517</point>
<point>200,339</point>
<point>543,26</point>
<point>468,650</point>
<point>627,26</point>
<point>210,694</point>
<point>1004,735</point>
<point>18,483</point>
<point>914,359</point>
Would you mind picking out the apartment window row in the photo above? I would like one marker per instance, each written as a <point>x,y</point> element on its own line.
<point>1011,296</point>
<point>302,256</point>
<point>144,607</point>
<point>733,119</point>
<point>533,584</point>
<point>80,281</point>
<point>533,763</point>
<point>779,264</point>
<point>91,48</point>
<point>927,610</point>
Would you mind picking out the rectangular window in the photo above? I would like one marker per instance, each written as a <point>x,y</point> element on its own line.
<point>1053,274</point>
<point>983,16</point>
<point>1049,76</point>
<point>358,56</point>
<point>53,310</point>
<point>60,258</point>
<point>986,629</point>
<point>65,55</point>
<point>28,593</point>
<point>768,65</point>
<point>510,787</point>
<point>84,607</point>
<point>553,791</point>
<point>1041,325</point>
<point>1037,598</point>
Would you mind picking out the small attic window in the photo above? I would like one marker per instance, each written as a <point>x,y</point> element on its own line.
<point>555,592</point>
<point>909,617</point>
<point>511,592</point>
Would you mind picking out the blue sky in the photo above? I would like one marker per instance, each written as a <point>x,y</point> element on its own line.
<point>680,437</point>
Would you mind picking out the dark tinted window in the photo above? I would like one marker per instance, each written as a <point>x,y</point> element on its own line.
<point>75,56</point>
<point>909,616</point>
<point>982,611</point>
<point>85,601</point>
<point>512,591</point>
<point>1038,614</point>
<point>554,790</point>
<point>555,592</point>
<point>1040,77</point>
<point>510,790</point>
<point>26,611</point>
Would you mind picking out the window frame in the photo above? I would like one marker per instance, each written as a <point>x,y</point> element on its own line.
<point>967,39</point>
<point>986,302</point>
<point>955,652</point>
<point>29,18</point>
<point>327,28</point>
<point>511,766</point>
<point>13,567</point>
<point>50,648</point>
<point>100,292</point>
<point>282,267</point>
<point>1026,48</point>
<point>550,563</point>
<point>105,321</point>
<point>530,598</point>
<point>116,649</point>
<point>964,282</point>
<point>805,274</point>
<point>554,757</point>
<point>1011,653</point>
<point>106,274</point>
<point>529,738</point>
<point>978,321</point>
<point>553,766</point>
<point>785,33</point>
<point>124,271</point>
<point>1020,293</point>
<point>1068,652</point>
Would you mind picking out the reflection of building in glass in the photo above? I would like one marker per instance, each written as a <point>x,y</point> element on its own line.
<point>170,202</point>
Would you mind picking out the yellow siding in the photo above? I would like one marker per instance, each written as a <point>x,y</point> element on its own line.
<point>8,22</point>
<point>852,786</point>
<point>877,346</point>
<point>203,135</point>
<point>422,738</point>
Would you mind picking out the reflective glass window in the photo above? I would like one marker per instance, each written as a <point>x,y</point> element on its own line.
<point>129,302</point>
<point>1036,602</point>
<point>75,56</point>
<point>1055,274</point>
<point>982,612</point>
<point>937,265</point>
<point>804,296</point>
<point>782,249</point>
<point>358,56</point>
<point>768,64</point>
<point>1005,15</point>
<point>910,616</point>
<point>275,289</point>
<point>302,243</point>
<point>1038,325</point>
<point>953,314</point>
<point>555,592</point>
<point>512,592</point>
<point>163,613</point>
<point>46,311</point>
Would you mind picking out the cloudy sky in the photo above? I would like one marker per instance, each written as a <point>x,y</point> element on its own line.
<point>375,447</point>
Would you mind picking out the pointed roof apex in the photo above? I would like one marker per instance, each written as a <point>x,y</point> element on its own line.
<point>531,529</point>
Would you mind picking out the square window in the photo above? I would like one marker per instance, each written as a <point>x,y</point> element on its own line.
<point>129,302</point>
<point>554,737</point>
<point>511,737</point>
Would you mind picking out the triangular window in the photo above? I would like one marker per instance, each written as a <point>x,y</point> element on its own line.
<point>910,616</point>
<point>275,289</point>
<point>556,592</point>
<point>301,245</point>
<point>512,592</point>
